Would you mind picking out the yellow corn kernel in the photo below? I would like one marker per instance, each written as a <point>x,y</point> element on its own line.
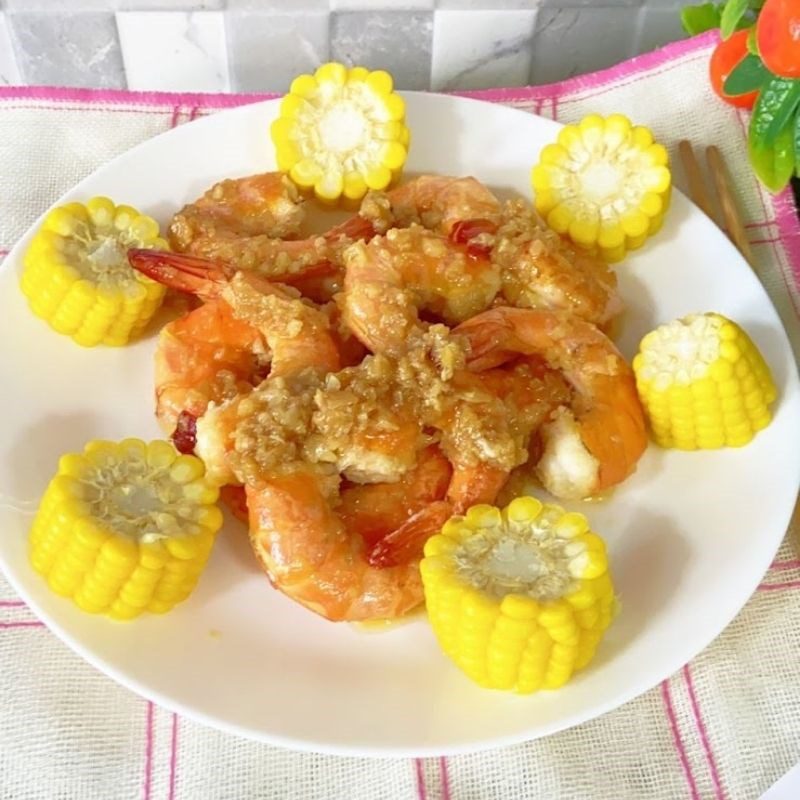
<point>511,632</point>
<point>341,132</point>
<point>605,185</point>
<point>77,278</point>
<point>703,383</point>
<point>116,530</point>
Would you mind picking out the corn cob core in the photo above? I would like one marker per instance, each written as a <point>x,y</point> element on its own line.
<point>703,383</point>
<point>125,527</point>
<point>518,598</point>
<point>341,132</point>
<point>605,184</point>
<point>77,277</point>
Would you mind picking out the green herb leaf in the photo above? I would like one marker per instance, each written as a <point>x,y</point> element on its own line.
<point>699,19</point>
<point>747,76</point>
<point>731,16</point>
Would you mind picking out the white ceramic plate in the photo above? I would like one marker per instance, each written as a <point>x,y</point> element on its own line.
<point>690,535</point>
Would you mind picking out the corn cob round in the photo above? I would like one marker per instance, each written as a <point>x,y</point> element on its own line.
<point>125,527</point>
<point>77,277</point>
<point>341,132</point>
<point>703,383</point>
<point>518,598</point>
<point>605,184</point>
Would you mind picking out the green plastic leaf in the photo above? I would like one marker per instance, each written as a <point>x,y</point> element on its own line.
<point>785,113</point>
<point>797,144</point>
<point>731,16</point>
<point>752,42</point>
<point>699,19</point>
<point>774,163</point>
<point>774,110</point>
<point>748,75</point>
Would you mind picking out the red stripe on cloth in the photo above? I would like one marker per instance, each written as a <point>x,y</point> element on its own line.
<point>147,783</point>
<point>767,587</point>
<point>793,563</point>
<point>175,114</point>
<point>676,738</point>
<point>422,794</point>
<point>701,728</point>
<point>765,224</point>
<point>445,776</point>
<point>173,758</point>
<point>11,603</point>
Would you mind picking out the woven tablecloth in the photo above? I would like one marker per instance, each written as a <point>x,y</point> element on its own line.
<point>727,725</point>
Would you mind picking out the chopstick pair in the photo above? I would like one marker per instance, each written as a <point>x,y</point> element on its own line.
<point>731,223</point>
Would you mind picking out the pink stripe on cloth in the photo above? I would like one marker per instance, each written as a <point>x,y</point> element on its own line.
<point>22,624</point>
<point>632,66</point>
<point>768,587</point>
<point>701,728</point>
<point>11,603</point>
<point>111,96</point>
<point>173,758</point>
<point>789,228</point>
<point>147,783</point>
<point>445,777</point>
<point>422,793</point>
<point>676,738</point>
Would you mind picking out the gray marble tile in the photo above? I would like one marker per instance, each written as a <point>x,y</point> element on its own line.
<point>397,41</point>
<point>487,5</point>
<point>267,50</point>
<point>658,26</point>
<point>571,41</point>
<point>79,49</point>
<point>481,49</point>
<point>9,72</point>
<point>284,6</point>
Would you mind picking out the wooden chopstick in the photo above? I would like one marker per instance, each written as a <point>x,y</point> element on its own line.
<point>697,187</point>
<point>733,219</point>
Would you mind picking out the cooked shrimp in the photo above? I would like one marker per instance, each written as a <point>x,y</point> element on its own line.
<point>594,442</point>
<point>376,509</point>
<point>486,432</point>
<point>247,327</point>
<point>311,556</point>
<point>392,278</point>
<point>246,223</point>
<point>437,202</point>
<point>540,269</point>
<point>266,204</point>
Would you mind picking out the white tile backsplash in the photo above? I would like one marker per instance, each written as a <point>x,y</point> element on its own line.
<point>174,50</point>
<point>259,45</point>
<point>481,49</point>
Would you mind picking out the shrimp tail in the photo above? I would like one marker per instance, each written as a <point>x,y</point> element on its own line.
<point>405,544</point>
<point>180,271</point>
